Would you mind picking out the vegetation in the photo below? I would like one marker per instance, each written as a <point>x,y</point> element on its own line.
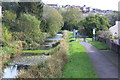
<point>25,27</point>
<point>113,17</point>
<point>89,39</point>
<point>105,34</point>
<point>93,21</point>
<point>52,22</point>
<point>79,64</point>
<point>53,66</point>
<point>29,25</point>
<point>71,18</point>
<point>39,51</point>
<point>99,45</point>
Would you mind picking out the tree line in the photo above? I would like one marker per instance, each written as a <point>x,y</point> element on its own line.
<point>34,21</point>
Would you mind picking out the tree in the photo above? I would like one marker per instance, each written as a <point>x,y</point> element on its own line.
<point>94,21</point>
<point>52,20</point>
<point>10,6</point>
<point>9,18</point>
<point>112,18</point>
<point>33,8</point>
<point>29,25</point>
<point>71,18</point>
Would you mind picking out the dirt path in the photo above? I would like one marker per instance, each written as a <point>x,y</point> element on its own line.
<point>103,66</point>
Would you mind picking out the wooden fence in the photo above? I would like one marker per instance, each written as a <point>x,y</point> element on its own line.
<point>111,44</point>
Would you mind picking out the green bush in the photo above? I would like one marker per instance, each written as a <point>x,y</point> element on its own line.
<point>52,22</point>
<point>105,34</point>
<point>29,25</point>
<point>7,35</point>
<point>9,18</point>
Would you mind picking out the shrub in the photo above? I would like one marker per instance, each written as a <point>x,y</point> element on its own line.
<point>19,36</point>
<point>7,35</point>
<point>29,25</point>
<point>105,34</point>
<point>9,18</point>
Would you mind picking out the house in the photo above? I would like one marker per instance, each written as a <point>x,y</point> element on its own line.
<point>54,5</point>
<point>115,30</point>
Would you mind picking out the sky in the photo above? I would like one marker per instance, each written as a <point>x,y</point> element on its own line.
<point>100,4</point>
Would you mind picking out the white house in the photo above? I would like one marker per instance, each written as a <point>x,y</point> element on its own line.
<point>115,30</point>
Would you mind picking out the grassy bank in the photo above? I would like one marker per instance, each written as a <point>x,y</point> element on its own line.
<point>79,64</point>
<point>89,39</point>
<point>38,51</point>
<point>99,45</point>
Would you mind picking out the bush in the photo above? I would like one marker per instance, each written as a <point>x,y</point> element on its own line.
<point>7,35</point>
<point>105,34</point>
<point>3,43</point>
<point>9,18</point>
<point>52,22</point>
<point>18,36</point>
<point>29,25</point>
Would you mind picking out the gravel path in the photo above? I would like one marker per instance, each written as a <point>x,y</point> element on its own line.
<point>103,66</point>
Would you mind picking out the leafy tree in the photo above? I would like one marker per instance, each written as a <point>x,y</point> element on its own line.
<point>29,25</point>
<point>9,18</point>
<point>112,18</point>
<point>71,18</point>
<point>94,21</point>
<point>33,8</point>
<point>52,20</point>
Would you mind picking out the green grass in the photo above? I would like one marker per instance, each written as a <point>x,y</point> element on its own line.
<point>35,51</point>
<point>38,51</point>
<point>79,64</point>
<point>89,39</point>
<point>99,45</point>
<point>71,37</point>
<point>7,50</point>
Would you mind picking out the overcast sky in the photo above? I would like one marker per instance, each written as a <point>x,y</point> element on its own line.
<point>100,4</point>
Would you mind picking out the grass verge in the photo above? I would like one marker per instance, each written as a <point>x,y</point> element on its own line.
<point>99,45</point>
<point>89,39</point>
<point>79,64</point>
<point>35,51</point>
<point>38,51</point>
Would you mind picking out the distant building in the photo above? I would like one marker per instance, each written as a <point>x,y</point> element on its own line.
<point>53,5</point>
